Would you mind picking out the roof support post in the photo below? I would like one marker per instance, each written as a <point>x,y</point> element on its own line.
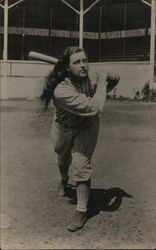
<point>146,2</point>
<point>81,14</point>
<point>4,86</point>
<point>152,42</point>
<point>6,7</point>
<point>5,48</point>
<point>81,25</point>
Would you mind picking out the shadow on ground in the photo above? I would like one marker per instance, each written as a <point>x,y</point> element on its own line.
<point>100,199</point>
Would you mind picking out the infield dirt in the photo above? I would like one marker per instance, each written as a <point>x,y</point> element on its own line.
<point>122,212</point>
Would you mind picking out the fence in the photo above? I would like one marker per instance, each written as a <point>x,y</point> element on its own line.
<point>25,78</point>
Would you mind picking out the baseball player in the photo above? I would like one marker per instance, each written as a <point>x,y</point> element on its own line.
<point>77,99</point>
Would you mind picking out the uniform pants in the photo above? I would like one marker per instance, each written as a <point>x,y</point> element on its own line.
<point>75,147</point>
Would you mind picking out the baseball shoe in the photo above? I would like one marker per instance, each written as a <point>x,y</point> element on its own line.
<point>77,222</point>
<point>61,189</point>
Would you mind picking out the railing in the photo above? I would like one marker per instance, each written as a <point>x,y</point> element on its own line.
<point>129,55</point>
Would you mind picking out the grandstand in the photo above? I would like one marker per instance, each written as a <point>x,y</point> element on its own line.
<point>114,30</point>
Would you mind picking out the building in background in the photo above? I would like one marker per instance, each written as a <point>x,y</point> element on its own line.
<point>114,30</point>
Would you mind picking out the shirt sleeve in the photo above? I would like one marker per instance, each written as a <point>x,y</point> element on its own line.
<point>69,99</point>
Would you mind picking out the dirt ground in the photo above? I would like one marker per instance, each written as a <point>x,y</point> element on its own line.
<point>122,212</point>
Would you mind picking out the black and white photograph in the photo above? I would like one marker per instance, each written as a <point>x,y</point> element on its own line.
<point>78,124</point>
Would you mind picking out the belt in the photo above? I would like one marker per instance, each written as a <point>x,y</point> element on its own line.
<point>64,125</point>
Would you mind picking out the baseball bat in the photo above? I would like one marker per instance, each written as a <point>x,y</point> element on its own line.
<point>42,57</point>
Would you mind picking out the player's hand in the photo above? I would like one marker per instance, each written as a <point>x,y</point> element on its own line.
<point>112,81</point>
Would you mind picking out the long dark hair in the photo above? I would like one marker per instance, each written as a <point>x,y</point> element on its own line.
<point>57,75</point>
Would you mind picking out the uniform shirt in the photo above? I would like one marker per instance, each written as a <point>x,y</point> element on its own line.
<point>75,105</point>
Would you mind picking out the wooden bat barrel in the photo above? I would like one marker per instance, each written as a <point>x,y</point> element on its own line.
<point>42,57</point>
